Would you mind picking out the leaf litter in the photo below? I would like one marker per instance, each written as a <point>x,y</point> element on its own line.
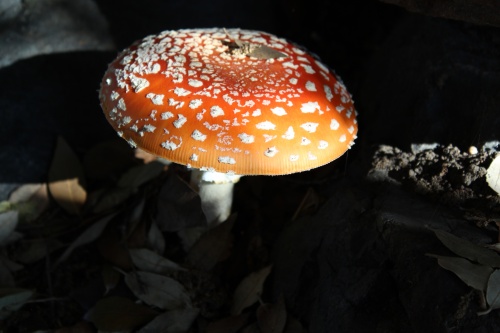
<point>104,249</point>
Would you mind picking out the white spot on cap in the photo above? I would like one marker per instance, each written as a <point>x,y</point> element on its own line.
<point>114,95</point>
<point>131,143</point>
<point>308,69</point>
<point>226,160</point>
<point>193,104</point>
<point>126,120</point>
<point>342,138</point>
<point>181,92</point>
<point>149,128</point>
<point>289,134</point>
<point>328,92</point>
<point>121,104</point>
<point>294,158</point>
<point>289,64</point>
<point>138,83</point>
<point>311,156</point>
<point>322,144</point>
<point>256,113</point>
<point>310,86</point>
<point>266,125</point>
<point>339,108</point>
<point>156,99</point>
<point>334,124</point>
<point>309,127</point>
<point>197,135</point>
<point>350,129</point>
<point>181,120</point>
<point>293,80</point>
<point>195,83</point>
<point>193,157</point>
<point>169,145</point>
<point>279,111</point>
<point>246,138</point>
<point>166,115</point>
<point>321,65</point>
<point>271,151</point>
<point>216,111</point>
<point>309,107</point>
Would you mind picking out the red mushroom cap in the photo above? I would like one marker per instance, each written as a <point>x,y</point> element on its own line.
<point>207,98</point>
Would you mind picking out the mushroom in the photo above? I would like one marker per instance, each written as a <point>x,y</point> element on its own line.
<point>228,103</point>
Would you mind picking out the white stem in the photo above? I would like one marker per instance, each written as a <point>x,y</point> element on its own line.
<point>216,194</point>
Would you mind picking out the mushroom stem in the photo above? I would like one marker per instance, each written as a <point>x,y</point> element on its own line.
<point>216,193</point>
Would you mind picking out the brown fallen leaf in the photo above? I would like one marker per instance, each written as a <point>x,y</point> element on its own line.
<point>116,314</point>
<point>173,321</point>
<point>149,261</point>
<point>212,247</point>
<point>272,317</point>
<point>8,223</point>
<point>493,290</point>
<point>467,249</point>
<point>158,290</point>
<point>66,179</point>
<point>249,290</point>
<point>474,275</point>
<point>91,234</point>
<point>11,299</point>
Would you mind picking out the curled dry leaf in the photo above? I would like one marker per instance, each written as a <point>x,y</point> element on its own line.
<point>149,261</point>
<point>493,290</point>
<point>173,321</point>
<point>158,290</point>
<point>8,223</point>
<point>468,250</point>
<point>474,275</point>
<point>127,185</point>
<point>66,179</point>
<point>91,234</point>
<point>116,314</point>
<point>249,290</point>
<point>272,317</point>
<point>11,299</point>
<point>212,247</point>
<point>179,207</point>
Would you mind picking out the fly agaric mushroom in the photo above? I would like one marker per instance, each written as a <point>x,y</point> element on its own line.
<point>228,103</point>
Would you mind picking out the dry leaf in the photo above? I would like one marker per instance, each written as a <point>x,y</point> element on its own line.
<point>149,261</point>
<point>157,290</point>
<point>228,325</point>
<point>30,251</point>
<point>179,207</point>
<point>493,290</point>
<point>140,175</point>
<point>174,321</point>
<point>272,317</point>
<point>155,239</point>
<point>91,234</point>
<point>110,277</point>
<point>474,275</point>
<point>468,250</point>
<point>30,200</point>
<point>8,223</point>
<point>249,290</point>
<point>11,299</point>
<point>213,246</point>
<point>493,174</point>
<point>66,179</point>
<point>112,314</point>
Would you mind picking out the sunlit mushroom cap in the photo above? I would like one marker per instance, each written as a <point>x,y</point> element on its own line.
<point>234,101</point>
